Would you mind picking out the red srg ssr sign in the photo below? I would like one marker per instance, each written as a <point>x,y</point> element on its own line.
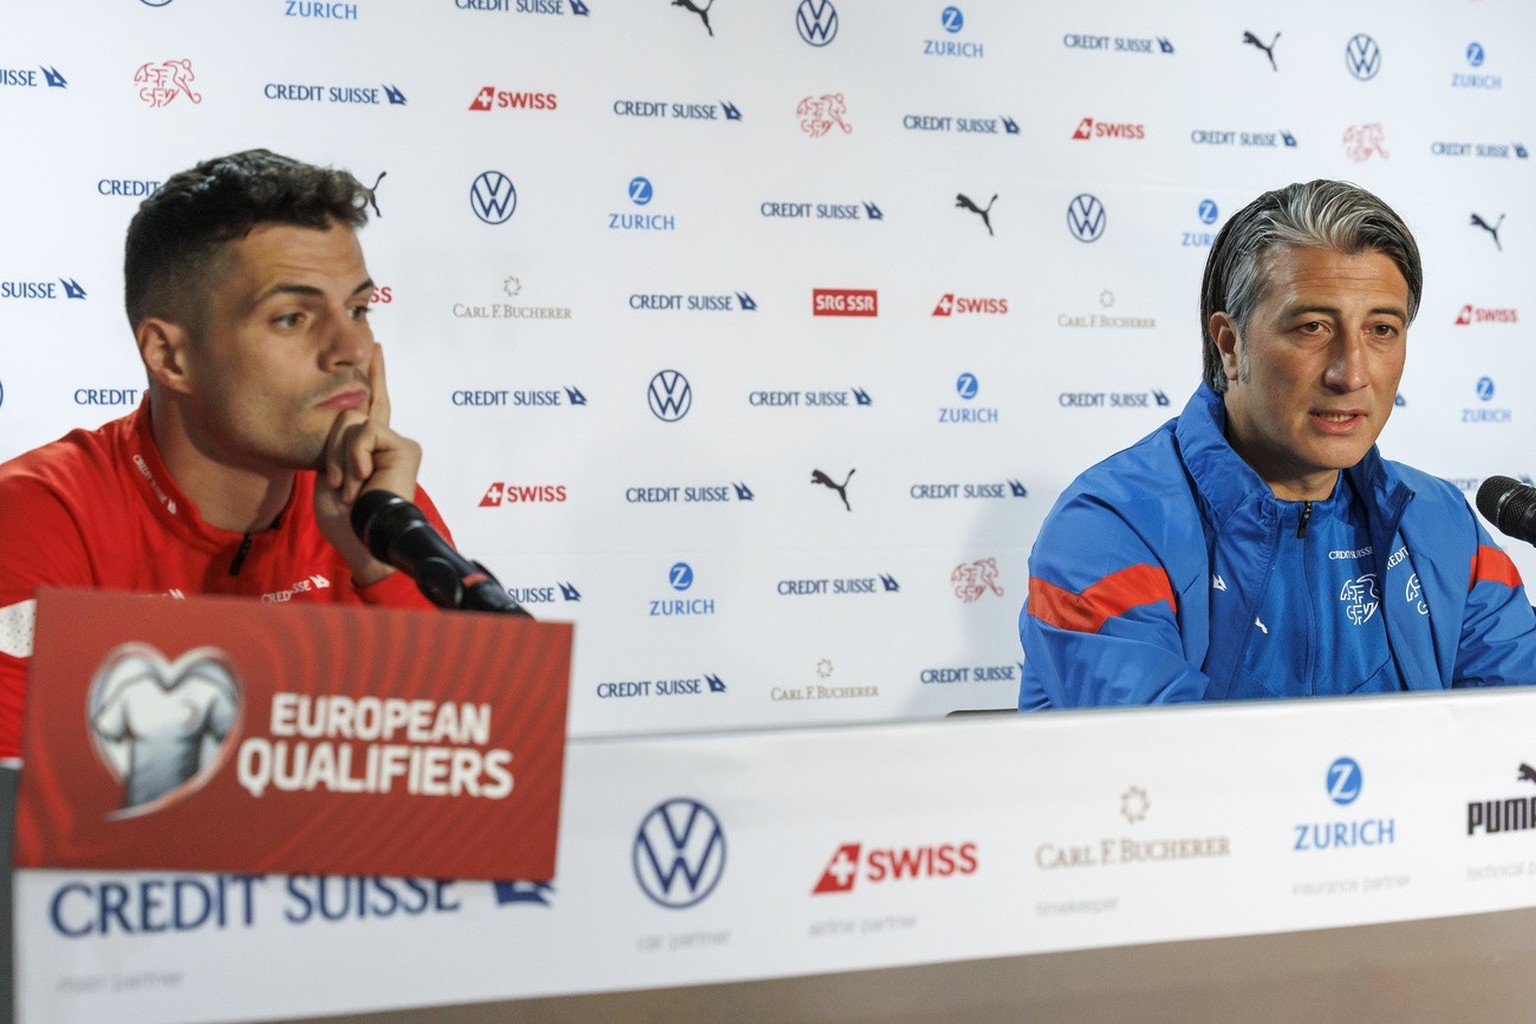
<point>845,302</point>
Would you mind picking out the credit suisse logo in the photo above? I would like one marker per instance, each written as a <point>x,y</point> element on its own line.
<point>65,288</point>
<point>679,853</point>
<point>1088,128</point>
<point>1085,43</point>
<point>352,95</point>
<point>492,98</point>
<point>677,111</point>
<point>563,590</point>
<point>980,125</point>
<point>1480,150</point>
<point>845,302</point>
<point>28,78</point>
<point>876,865</point>
<point>520,398</point>
<point>576,7</point>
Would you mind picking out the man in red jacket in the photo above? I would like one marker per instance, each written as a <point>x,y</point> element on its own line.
<point>266,415</point>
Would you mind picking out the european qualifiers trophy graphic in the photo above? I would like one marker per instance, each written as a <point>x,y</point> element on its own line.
<point>162,727</point>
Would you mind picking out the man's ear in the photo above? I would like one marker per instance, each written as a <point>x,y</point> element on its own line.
<point>163,347</point>
<point>1224,333</point>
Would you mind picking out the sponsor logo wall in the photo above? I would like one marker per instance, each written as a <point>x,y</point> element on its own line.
<point>826,300</point>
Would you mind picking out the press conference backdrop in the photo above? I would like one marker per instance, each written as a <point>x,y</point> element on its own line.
<point>757,339</point>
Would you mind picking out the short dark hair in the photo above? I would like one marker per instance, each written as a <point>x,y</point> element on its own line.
<point>174,239</point>
<point>1319,214</point>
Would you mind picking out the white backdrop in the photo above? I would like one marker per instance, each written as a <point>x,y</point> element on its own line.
<point>895,115</point>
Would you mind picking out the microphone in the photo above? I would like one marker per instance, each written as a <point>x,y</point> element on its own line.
<point>398,533</point>
<point>1510,506</point>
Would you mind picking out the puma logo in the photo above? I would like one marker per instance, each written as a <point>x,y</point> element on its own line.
<point>818,477</point>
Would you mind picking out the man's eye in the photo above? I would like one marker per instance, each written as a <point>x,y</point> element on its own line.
<point>288,320</point>
<point>361,312</point>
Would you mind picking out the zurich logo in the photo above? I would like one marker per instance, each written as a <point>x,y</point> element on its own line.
<point>493,197</point>
<point>640,191</point>
<point>966,386</point>
<point>1344,781</point>
<point>1208,211</point>
<point>1485,388</point>
<point>1085,217</point>
<point>1475,54</point>
<point>952,20</point>
<point>1363,57</point>
<point>817,21</point>
<point>680,576</point>
<point>670,396</point>
<point>679,853</point>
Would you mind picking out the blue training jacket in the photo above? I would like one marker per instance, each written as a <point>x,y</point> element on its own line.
<point>1149,574</point>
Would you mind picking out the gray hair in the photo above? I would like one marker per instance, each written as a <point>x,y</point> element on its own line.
<point>1320,214</point>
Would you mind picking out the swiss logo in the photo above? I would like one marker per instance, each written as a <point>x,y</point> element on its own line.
<point>876,865</point>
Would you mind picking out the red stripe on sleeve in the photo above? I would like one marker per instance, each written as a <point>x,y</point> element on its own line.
<point>1495,566</point>
<point>1112,596</point>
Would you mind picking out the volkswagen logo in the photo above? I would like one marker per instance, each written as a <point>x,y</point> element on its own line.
<point>966,386</point>
<point>493,197</point>
<point>817,21</point>
<point>679,853</point>
<point>1363,57</point>
<point>670,396</point>
<point>1085,217</point>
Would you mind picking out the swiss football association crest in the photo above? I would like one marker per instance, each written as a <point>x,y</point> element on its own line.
<point>162,727</point>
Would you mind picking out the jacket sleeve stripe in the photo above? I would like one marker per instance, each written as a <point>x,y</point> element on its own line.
<point>1495,566</point>
<point>1112,596</point>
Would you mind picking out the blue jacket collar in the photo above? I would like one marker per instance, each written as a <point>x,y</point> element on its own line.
<point>1227,483</point>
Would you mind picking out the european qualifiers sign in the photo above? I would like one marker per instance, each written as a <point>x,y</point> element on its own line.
<point>224,734</point>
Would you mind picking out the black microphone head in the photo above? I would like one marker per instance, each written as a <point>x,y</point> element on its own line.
<point>379,517</point>
<point>1507,504</point>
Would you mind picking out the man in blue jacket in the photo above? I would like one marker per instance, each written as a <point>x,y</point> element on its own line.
<point>1258,545</point>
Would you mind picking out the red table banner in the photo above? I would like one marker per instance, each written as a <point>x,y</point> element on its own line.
<point>221,734</point>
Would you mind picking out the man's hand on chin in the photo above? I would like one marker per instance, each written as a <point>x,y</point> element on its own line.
<point>362,454</point>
